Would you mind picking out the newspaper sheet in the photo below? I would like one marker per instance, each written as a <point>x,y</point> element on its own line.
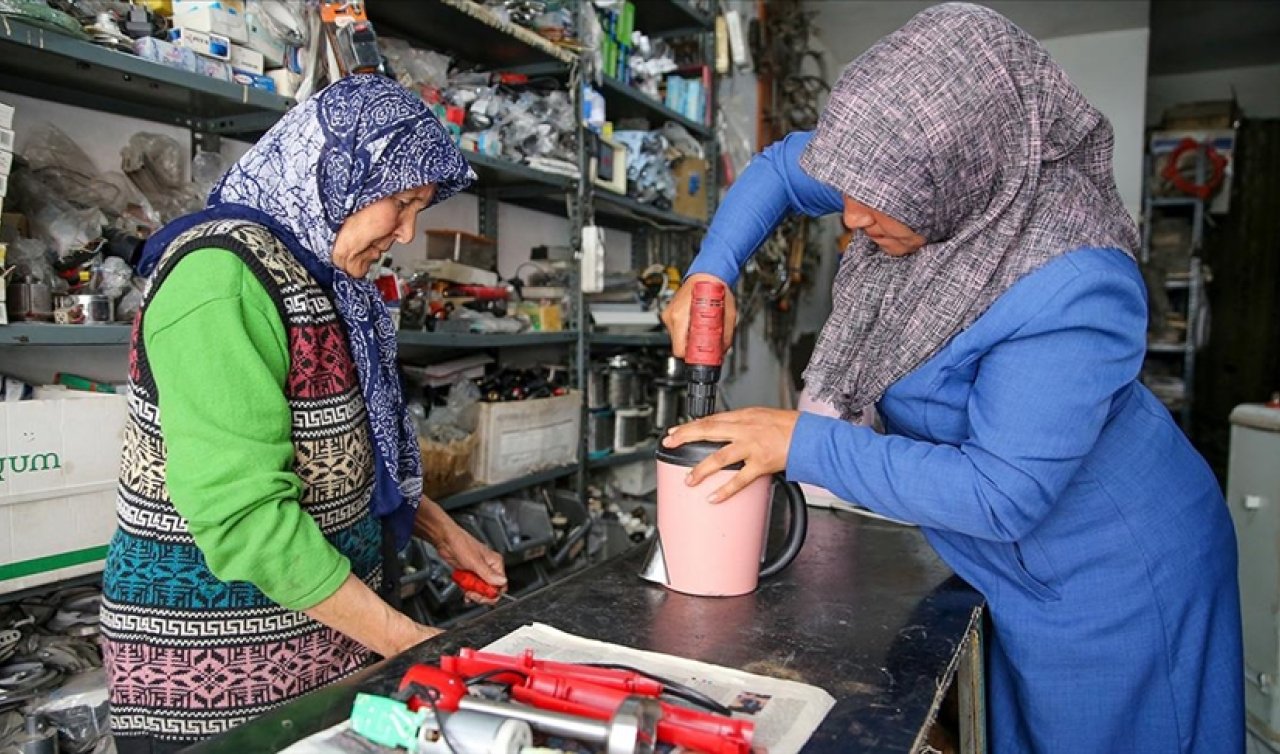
<point>785,712</point>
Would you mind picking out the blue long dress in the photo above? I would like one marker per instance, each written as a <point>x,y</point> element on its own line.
<point>1056,484</point>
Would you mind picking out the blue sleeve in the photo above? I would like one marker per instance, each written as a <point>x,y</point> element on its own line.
<point>1038,404</point>
<point>772,187</point>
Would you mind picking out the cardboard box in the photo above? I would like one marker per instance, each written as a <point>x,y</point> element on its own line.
<point>254,80</point>
<point>165,53</point>
<point>247,60</point>
<point>260,40</point>
<point>13,225</point>
<point>445,269</point>
<point>6,115</point>
<point>214,69</point>
<point>691,188</point>
<point>59,459</point>
<point>521,437</point>
<point>212,18</point>
<point>1216,114</point>
<point>234,7</point>
<point>200,42</point>
<point>462,247</point>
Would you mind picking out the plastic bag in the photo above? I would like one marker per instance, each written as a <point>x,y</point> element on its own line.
<point>32,258</point>
<point>156,163</point>
<point>681,140</point>
<point>112,277</point>
<point>131,301</point>
<point>66,229</point>
<point>78,709</point>
<point>649,176</point>
<point>457,418</point>
<point>416,67</point>
<point>61,165</point>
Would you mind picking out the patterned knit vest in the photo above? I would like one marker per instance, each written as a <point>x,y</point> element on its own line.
<point>189,656</point>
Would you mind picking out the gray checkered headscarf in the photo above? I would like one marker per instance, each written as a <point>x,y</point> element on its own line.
<point>960,126</point>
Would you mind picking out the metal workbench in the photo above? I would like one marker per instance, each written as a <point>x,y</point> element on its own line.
<point>867,612</point>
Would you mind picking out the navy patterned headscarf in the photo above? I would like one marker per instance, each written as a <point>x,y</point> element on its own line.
<point>360,140</point>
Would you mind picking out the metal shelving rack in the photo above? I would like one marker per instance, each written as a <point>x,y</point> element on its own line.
<point>52,66</point>
<point>1193,284</point>
<point>48,65</point>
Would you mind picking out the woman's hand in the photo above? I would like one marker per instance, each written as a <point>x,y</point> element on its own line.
<point>459,549</point>
<point>759,437</point>
<point>676,315</point>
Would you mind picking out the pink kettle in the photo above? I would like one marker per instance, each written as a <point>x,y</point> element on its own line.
<point>717,549</point>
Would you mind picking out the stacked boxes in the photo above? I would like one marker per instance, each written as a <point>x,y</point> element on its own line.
<point>615,49</point>
<point>687,96</point>
<point>224,18</point>
<point>219,39</point>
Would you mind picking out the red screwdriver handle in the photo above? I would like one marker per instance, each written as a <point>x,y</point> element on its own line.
<point>470,581</point>
<point>705,346</point>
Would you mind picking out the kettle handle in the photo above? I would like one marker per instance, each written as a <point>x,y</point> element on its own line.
<point>797,528</point>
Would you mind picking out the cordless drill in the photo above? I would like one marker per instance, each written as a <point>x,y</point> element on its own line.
<point>704,350</point>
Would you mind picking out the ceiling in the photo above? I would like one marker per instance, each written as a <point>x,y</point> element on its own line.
<point>1195,35</point>
<point>1186,35</point>
<point>848,27</point>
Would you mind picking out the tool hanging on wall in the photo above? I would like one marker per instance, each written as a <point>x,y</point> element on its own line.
<point>352,42</point>
<point>791,82</point>
<point>791,74</point>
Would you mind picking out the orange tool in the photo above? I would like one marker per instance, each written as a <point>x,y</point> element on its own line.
<point>470,581</point>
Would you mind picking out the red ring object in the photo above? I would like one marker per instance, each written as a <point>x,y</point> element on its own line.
<point>1201,191</point>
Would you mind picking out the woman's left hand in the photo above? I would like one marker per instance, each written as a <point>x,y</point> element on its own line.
<point>461,550</point>
<point>758,437</point>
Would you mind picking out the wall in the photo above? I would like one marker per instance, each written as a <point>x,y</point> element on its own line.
<point>1110,68</point>
<point>752,375</point>
<point>849,27</point>
<point>1256,88</point>
<point>1102,46</point>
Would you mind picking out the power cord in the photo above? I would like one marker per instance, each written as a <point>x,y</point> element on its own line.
<point>671,688</point>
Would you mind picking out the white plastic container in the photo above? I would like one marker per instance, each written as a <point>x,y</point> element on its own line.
<point>59,459</point>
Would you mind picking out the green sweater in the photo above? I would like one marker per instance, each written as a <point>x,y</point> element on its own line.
<point>219,354</point>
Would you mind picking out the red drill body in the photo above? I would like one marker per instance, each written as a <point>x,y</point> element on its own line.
<point>704,349</point>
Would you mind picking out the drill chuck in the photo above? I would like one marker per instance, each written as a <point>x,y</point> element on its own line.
<point>700,394</point>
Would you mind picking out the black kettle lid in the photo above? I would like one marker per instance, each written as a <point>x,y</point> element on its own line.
<point>692,453</point>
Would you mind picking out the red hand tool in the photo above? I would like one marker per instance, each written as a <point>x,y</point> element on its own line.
<point>704,350</point>
<point>597,693</point>
<point>470,581</point>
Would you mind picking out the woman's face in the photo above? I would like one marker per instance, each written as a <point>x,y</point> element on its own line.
<point>893,238</point>
<point>368,233</point>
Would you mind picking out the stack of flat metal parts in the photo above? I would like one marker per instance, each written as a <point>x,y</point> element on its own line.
<point>47,641</point>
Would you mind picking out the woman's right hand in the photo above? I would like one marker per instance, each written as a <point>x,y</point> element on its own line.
<point>676,315</point>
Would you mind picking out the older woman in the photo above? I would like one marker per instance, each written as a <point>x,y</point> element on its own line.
<point>270,469</point>
<point>990,308</point>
